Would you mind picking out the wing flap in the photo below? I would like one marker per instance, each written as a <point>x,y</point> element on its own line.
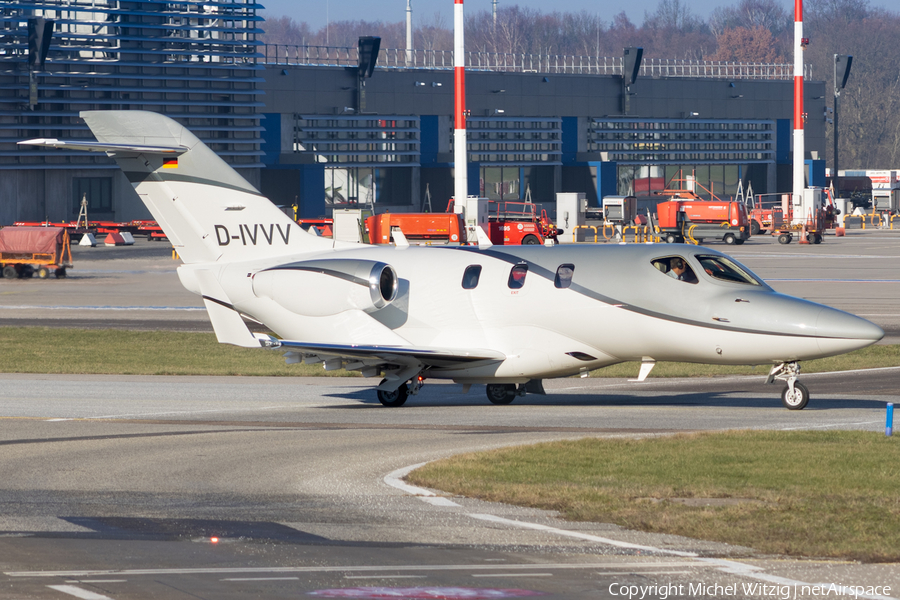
<point>427,356</point>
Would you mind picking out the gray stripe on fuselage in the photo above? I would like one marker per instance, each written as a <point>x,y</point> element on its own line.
<point>550,275</point>
<point>135,177</point>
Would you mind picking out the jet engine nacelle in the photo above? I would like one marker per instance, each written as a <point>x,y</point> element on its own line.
<point>319,288</point>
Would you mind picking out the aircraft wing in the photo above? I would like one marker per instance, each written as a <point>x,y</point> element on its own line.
<point>426,356</point>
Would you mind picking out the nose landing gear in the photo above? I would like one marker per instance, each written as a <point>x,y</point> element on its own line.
<point>796,395</point>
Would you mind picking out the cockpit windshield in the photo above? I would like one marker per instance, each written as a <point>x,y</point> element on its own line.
<point>724,269</point>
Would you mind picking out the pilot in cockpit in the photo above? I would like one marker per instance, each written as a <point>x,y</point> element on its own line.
<point>680,270</point>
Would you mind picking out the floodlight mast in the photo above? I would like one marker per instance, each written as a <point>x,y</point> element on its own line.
<point>799,142</point>
<point>460,158</point>
<point>842,63</point>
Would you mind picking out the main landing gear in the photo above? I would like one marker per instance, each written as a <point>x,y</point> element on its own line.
<point>497,393</point>
<point>398,397</point>
<point>502,393</point>
<point>796,395</point>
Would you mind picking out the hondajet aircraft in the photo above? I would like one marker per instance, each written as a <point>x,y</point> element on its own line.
<point>505,317</point>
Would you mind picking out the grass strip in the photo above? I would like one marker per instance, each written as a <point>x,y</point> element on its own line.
<point>811,493</point>
<point>104,351</point>
<point>108,351</point>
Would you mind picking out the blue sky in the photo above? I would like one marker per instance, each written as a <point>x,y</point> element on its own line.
<point>316,12</point>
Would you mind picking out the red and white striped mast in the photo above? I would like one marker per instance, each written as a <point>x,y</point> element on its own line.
<point>799,142</point>
<point>460,157</point>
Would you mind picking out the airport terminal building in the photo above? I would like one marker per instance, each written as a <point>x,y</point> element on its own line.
<point>301,125</point>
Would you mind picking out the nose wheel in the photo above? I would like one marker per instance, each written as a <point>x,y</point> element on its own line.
<point>795,395</point>
<point>796,398</point>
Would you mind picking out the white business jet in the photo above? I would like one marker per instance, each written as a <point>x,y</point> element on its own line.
<point>506,317</point>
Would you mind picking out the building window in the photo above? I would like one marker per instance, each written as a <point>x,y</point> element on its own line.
<point>96,190</point>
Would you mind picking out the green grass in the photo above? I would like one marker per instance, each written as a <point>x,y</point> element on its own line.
<point>821,494</point>
<point>99,351</point>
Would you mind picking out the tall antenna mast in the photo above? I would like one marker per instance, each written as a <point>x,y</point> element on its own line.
<point>408,32</point>
<point>799,145</point>
<point>460,160</point>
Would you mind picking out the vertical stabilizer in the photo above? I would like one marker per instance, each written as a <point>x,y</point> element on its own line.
<point>208,211</point>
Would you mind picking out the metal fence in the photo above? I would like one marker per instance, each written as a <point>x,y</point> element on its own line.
<point>392,58</point>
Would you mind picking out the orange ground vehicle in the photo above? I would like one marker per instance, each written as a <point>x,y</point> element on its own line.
<point>513,223</point>
<point>688,217</point>
<point>683,219</point>
<point>419,228</point>
<point>25,251</point>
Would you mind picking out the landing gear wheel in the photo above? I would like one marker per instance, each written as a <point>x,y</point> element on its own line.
<point>530,240</point>
<point>395,398</point>
<point>43,272</point>
<point>755,227</point>
<point>671,238</point>
<point>796,400</point>
<point>9,272</point>
<point>784,238</point>
<point>501,393</point>
<point>729,239</point>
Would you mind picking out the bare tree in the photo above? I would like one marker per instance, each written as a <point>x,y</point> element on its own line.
<point>870,130</point>
<point>770,14</point>
<point>674,31</point>
<point>747,44</point>
<point>284,30</point>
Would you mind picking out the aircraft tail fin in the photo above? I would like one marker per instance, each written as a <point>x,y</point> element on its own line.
<point>207,210</point>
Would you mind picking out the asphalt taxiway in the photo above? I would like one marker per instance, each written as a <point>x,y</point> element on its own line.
<point>116,486</point>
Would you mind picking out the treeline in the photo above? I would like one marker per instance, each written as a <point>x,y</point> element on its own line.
<point>758,31</point>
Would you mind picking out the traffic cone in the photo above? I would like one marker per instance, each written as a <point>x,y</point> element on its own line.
<point>114,239</point>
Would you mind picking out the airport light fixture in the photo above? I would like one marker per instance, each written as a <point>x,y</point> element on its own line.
<point>367,56</point>
<point>842,64</point>
<point>631,67</point>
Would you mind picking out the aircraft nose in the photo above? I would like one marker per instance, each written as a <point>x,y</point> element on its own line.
<point>838,331</point>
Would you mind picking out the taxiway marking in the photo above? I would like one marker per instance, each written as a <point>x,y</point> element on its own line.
<point>78,592</point>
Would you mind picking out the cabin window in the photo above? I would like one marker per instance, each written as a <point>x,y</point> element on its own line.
<point>471,277</point>
<point>517,276</point>
<point>676,267</point>
<point>724,269</point>
<point>564,276</point>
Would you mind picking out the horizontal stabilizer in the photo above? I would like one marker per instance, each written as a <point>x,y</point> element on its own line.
<point>101,147</point>
<point>430,357</point>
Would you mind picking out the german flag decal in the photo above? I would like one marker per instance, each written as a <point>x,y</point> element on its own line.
<point>170,163</point>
